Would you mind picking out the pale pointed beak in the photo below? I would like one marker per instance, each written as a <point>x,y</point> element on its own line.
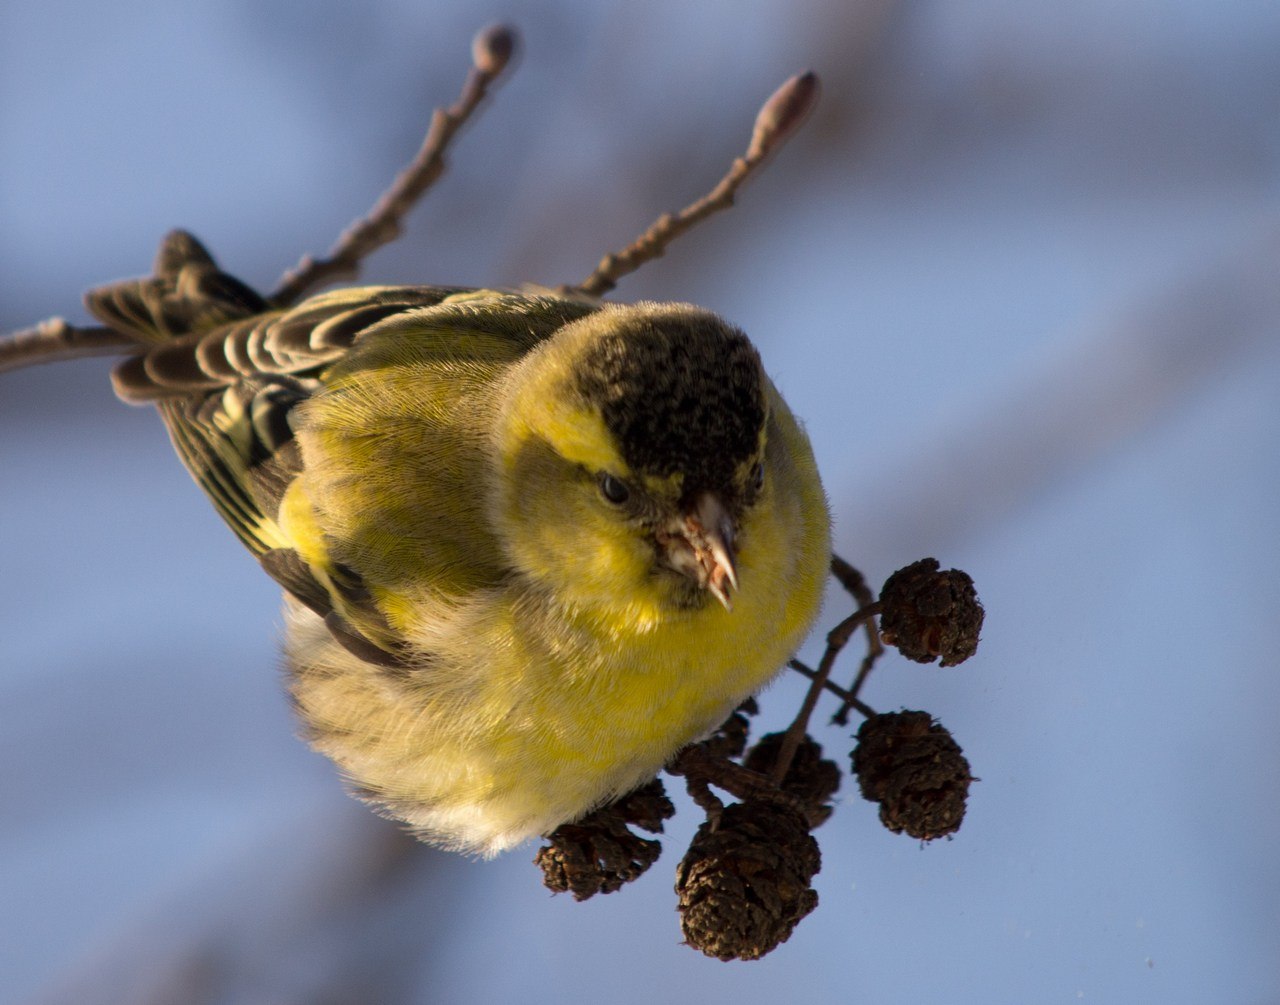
<point>699,544</point>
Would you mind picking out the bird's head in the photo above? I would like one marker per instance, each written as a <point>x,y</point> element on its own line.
<point>631,454</point>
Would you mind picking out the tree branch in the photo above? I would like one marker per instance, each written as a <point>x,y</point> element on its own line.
<point>778,118</point>
<point>491,52</point>
<point>54,340</point>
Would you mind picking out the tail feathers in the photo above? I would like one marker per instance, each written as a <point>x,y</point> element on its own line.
<point>187,293</point>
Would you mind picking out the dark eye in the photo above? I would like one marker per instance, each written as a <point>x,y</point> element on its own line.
<point>614,490</point>
<point>757,477</point>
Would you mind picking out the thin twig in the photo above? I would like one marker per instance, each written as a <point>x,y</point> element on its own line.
<point>491,52</point>
<point>856,584</point>
<point>837,639</point>
<point>841,717</point>
<point>778,118</point>
<point>54,340</point>
<point>847,697</point>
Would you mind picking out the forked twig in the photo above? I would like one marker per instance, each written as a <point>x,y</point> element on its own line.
<point>54,340</point>
<point>778,118</point>
<point>852,580</point>
<point>847,697</point>
<point>855,583</point>
<point>491,52</point>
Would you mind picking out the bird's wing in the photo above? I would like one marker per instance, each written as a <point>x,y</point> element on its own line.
<point>225,371</point>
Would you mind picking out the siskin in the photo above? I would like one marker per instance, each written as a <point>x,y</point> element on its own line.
<point>531,543</point>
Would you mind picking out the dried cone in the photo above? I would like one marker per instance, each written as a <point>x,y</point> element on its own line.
<point>645,807</point>
<point>744,883</point>
<point>913,768</point>
<point>599,854</point>
<point>927,613</point>
<point>811,778</point>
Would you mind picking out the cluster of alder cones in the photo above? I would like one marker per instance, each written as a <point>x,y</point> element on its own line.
<point>746,880</point>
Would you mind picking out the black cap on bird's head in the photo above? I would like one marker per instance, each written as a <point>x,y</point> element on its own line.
<point>681,391</point>
<point>683,395</point>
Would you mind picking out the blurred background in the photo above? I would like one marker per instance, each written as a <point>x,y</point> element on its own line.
<point>1019,276</point>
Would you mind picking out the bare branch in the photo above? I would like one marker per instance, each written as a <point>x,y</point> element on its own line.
<point>777,119</point>
<point>837,639</point>
<point>856,584</point>
<point>830,686</point>
<point>868,607</point>
<point>54,340</point>
<point>491,53</point>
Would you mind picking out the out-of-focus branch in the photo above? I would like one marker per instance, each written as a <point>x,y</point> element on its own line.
<point>54,340</point>
<point>491,53</point>
<point>778,118</point>
<point>1053,420</point>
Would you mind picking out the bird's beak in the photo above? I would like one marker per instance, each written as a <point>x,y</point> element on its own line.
<point>699,544</point>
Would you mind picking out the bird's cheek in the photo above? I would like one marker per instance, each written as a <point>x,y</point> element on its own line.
<point>583,558</point>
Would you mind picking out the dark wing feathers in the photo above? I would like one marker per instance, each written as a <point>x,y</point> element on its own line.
<point>297,341</point>
<point>216,462</point>
<point>225,369</point>
<point>291,572</point>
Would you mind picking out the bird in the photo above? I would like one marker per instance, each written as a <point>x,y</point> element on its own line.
<point>531,543</point>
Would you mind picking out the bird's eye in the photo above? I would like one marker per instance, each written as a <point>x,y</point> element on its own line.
<point>614,490</point>
<point>757,476</point>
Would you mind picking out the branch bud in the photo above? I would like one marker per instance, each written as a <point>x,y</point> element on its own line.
<point>782,114</point>
<point>492,48</point>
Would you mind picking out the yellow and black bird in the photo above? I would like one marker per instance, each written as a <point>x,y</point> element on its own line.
<point>531,543</point>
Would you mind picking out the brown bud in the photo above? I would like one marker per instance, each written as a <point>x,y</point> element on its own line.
<point>744,883</point>
<point>811,778</point>
<point>783,113</point>
<point>599,854</point>
<point>492,48</point>
<point>926,613</point>
<point>912,767</point>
